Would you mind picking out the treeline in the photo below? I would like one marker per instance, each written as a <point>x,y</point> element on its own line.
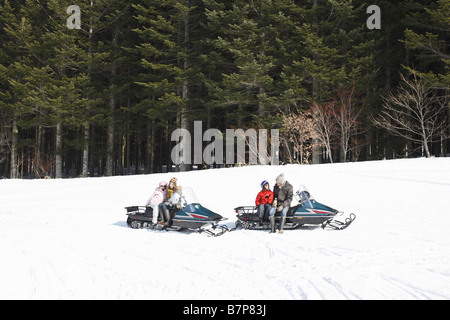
<point>105,98</point>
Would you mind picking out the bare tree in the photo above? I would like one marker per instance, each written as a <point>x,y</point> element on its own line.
<point>298,132</point>
<point>325,125</point>
<point>347,114</point>
<point>415,112</point>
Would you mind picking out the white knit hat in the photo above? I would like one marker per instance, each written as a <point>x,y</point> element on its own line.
<point>281,179</point>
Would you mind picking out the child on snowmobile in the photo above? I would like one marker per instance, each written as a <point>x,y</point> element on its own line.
<point>264,201</point>
<point>284,193</point>
<point>172,187</point>
<point>175,201</point>
<point>170,191</point>
<point>157,198</point>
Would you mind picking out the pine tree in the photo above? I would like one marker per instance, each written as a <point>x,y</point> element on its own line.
<point>252,42</point>
<point>331,52</point>
<point>166,35</point>
<point>15,67</point>
<point>160,55</point>
<point>115,20</point>
<point>49,81</point>
<point>430,47</point>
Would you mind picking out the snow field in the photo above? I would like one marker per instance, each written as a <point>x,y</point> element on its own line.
<point>68,239</point>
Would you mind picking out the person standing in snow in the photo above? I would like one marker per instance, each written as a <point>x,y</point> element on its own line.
<point>284,193</point>
<point>157,198</point>
<point>264,201</point>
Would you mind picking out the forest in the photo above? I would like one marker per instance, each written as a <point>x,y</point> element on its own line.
<point>97,87</point>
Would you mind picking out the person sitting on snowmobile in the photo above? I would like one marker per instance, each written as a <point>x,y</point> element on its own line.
<point>283,194</point>
<point>172,187</point>
<point>170,191</point>
<point>156,199</point>
<point>175,201</point>
<point>264,201</point>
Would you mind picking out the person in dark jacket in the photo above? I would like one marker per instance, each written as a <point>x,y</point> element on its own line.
<point>264,201</point>
<point>283,194</point>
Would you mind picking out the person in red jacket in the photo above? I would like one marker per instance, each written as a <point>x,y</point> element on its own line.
<point>264,201</point>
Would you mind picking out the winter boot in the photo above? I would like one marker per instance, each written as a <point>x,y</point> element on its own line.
<point>272,224</point>
<point>283,220</point>
<point>260,222</point>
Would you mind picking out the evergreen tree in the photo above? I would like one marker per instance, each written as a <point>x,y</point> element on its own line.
<point>167,30</point>
<point>16,68</point>
<point>430,45</point>
<point>251,39</point>
<point>161,75</point>
<point>105,96</point>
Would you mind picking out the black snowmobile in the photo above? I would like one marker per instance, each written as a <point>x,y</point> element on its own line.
<point>306,212</point>
<point>189,214</point>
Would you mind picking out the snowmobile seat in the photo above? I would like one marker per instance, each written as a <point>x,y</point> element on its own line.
<point>148,212</point>
<point>292,210</point>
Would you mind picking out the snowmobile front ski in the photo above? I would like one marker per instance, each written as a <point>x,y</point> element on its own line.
<point>216,230</point>
<point>339,225</point>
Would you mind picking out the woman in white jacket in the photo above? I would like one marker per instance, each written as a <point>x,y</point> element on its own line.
<point>157,198</point>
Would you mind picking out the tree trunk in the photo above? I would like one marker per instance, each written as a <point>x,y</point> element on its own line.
<point>86,151</point>
<point>58,151</point>
<point>427,150</point>
<point>37,159</point>
<point>315,144</point>
<point>150,166</point>
<point>85,164</point>
<point>112,107</point>
<point>330,151</point>
<point>14,140</point>
<point>110,137</point>
<point>185,93</point>
<point>185,89</point>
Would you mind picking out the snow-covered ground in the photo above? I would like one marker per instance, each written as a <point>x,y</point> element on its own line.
<point>67,239</point>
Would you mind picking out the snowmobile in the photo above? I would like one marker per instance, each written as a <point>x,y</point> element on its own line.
<point>188,214</point>
<point>307,212</point>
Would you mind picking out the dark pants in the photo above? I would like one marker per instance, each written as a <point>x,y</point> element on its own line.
<point>166,213</point>
<point>263,211</point>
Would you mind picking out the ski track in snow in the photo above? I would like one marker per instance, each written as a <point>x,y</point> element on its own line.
<point>67,239</point>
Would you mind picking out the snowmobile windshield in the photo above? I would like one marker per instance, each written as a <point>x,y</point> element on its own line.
<point>305,200</point>
<point>189,196</point>
<point>305,197</point>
